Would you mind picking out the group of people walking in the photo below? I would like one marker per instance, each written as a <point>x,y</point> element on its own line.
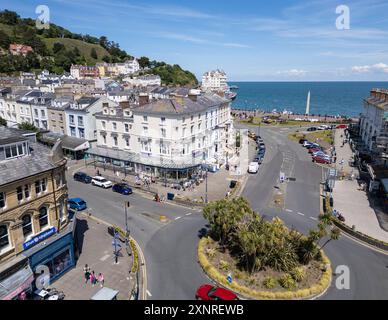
<point>91,276</point>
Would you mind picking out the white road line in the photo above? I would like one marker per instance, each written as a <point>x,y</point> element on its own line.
<point>177,218</point>
<point>188,214</point>
<point>300,213</point>
<point>149,293</point>
<point>288,210</point>
<point>314,218</point>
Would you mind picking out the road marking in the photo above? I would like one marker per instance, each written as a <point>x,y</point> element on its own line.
<point>288,210</point>
<point>300,213</point>
<point>314,218</point>
<point>177,218</point>
<point>105,257</point>
<point>149,293</point>
<point>188,214</point>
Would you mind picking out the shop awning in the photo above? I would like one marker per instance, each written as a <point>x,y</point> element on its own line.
<point>68,143</point>
<point>16,283</point>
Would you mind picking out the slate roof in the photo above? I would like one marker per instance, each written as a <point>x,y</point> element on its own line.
<point>23,167</point>
<point>173,107</point>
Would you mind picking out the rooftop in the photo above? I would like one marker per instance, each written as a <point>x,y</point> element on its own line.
<point>15,169</point>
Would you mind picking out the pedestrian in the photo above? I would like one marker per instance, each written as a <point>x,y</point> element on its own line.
<point>86,273</point>
<point>100,279</point>
<point>92,278</point>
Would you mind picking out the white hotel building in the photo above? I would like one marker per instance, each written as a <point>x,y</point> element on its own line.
<point>214,81</point>
<point>170,137</point>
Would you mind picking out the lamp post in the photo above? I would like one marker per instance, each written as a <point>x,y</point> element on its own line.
<point>203,165</point>
<point>126,205</point>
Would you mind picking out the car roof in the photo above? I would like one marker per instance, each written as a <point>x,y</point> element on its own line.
<point>76,199</point>
<point>224,294</point>
<point>98,177</point>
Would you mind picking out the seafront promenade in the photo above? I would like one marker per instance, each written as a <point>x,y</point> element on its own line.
<point>243,114</point>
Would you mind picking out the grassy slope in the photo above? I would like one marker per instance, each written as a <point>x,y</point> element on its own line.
<point>84,47</point>
<point>7,29</point>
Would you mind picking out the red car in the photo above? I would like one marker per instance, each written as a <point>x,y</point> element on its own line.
<point>341,126</point>
<point>321,160</point>
<point>209,292</point>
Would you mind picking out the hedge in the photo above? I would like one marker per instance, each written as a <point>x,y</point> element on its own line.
<point>135,253</point>
<point>311,292</point>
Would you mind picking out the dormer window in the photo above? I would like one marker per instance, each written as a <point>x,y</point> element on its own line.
<point>106,111</point>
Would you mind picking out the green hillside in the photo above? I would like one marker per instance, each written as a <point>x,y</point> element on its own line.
<point>57,48</point>
<point>84,48</point>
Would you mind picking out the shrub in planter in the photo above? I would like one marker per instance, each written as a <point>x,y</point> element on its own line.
<point>224,265</point>
<point>287,282</point>
<point>298,274</point>
<point>211,252</point>
<point>269,283</point>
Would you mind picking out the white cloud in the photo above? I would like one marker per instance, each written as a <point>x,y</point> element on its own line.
<point>292,72</point>
<point>379,67</point>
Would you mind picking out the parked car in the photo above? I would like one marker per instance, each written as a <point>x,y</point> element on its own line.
<point>302,141</point>
<point>341,126</point>
<point>321,160</point>
<point>101,182</point>
<point>209,292</point>
<point>312,150</point>
<point>258,159</point>
<point>307,143</point>
<point>77,204</point>
<point>253,167</point>
<point>122,188</point>
<point>312,129</point>
<point>82,177</point>
<point>323,127</point>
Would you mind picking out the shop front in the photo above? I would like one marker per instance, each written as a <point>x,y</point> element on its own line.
<point>16,280</point>
<point>57,254</point>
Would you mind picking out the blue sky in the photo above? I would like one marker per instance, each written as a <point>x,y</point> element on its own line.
<point>250,39</point>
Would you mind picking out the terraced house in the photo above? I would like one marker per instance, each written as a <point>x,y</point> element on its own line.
<point>35,228</point>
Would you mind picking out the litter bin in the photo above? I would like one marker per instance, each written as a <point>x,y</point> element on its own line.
<point>170,196</point>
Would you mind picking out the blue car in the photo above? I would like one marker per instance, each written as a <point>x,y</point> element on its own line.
<point>77,204</point>
<point>122,188</point>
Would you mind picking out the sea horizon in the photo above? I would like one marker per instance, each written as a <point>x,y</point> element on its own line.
<point>344,98</point>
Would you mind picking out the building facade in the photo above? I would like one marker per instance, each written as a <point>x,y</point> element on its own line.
<point>80,116</point>
<point>167,135</point>
<point>214,81</point>
<point>374,118</point>
<point>33,213</point>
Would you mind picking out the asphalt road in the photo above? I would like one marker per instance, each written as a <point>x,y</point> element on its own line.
<point>368,269</point>
<point>170,248</point>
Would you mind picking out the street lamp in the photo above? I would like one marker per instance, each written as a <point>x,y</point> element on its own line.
<point>126,205</point>
<point>203,165</point>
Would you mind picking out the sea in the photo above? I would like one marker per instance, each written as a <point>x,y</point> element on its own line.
<point>327,98</point>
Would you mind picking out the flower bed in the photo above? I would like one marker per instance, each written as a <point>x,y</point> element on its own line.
<point>268,284</point>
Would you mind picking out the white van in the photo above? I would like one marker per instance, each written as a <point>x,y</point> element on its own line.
<point>253,167</point>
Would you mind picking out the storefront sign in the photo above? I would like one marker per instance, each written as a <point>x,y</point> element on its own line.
<point>40,237</point>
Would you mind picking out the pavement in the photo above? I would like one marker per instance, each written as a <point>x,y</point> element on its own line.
<point>96,250</point>
<point>350,200</point>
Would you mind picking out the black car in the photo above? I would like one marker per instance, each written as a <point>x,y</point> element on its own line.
<point>312,129</point>
<point>301,141</point>
<point>82,177</point>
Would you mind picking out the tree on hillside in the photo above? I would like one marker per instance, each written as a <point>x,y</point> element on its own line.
<point>106,59</point>
<point>93,53</point>
<point>58,47</point>
<point>144,62</point>
<point>9,17</point>
<point>103,42</point>
<point>4,40</point>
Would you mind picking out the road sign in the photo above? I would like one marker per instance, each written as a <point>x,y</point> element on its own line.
<point>229,278</point>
